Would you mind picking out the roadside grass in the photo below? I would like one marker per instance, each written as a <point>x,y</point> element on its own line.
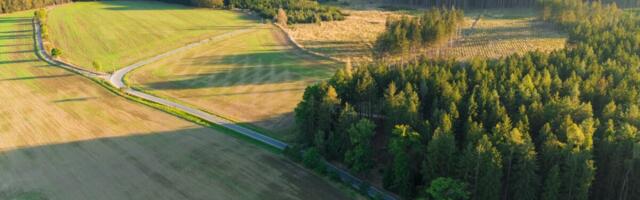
<point>65,137</point>
<point>255,79</point>
<point>118,33</point>
<point>499,32</point>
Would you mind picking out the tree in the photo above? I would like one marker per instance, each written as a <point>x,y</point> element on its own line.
<point>447,189</point>
<point>360,156</point>
<point>55,52</point>
<point>282,18</point>
<point>482,169</point>
<point>551,189</point>
<point>403,147</point>
<point>441,150</point>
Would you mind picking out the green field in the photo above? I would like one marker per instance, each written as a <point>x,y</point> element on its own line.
<point>64,137</point>
<point>119,33</point>
<point>254,78</point>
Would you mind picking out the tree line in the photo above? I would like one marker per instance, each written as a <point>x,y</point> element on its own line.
<point>298,11</point>
<point>559,125</point>
<point>483,4</point>
<point>7,6</point>
<point>401,35</point>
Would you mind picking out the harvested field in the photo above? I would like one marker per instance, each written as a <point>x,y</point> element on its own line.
<point>64,137</point>
<point>255,78</point>
<point>497,33</point>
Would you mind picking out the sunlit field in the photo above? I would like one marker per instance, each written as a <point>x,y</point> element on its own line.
<point>118,33</point>
<point>255,78</point>
<point>64,137</point>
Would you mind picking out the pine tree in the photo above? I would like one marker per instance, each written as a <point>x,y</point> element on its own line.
<point>441,150</point>
<point>402,172</point>
<point>481,167</point>
<point>552,183</point>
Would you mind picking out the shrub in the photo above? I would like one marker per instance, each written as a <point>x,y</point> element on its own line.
<point>312,159</point>
<point>55,52</point>
<point>97,65</point>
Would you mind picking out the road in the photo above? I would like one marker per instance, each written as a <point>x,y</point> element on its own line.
<point>116,80</point>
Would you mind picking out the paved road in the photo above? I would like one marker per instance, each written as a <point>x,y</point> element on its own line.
<point>116,79</point>
<point>45,56</point>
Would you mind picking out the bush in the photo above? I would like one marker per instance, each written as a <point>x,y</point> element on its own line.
<point>55,52</point>
<point>97,65</point>
<point>312,159</point>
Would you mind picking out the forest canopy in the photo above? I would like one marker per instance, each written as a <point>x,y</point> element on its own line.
<point>559,125</point>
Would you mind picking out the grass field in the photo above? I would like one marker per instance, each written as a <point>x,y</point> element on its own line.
<point>64,137</point>
<point>119,33</point>
<point>254,78</point>
<point>497,33</point>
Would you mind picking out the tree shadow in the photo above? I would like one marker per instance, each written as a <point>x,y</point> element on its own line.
<point>246,69</point>
<point>14,45</point>
<point>188,163</point>
<point>142,5</point>
<point>14,37</point>
<point>7,62</point>
<point>74,99</point>
<point>36,77</point>
<point>14,20</point>
<point>17,52</point>
<point>10,32</point>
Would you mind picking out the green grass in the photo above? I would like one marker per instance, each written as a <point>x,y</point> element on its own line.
<point>255,79</point>
<point>119,33</point>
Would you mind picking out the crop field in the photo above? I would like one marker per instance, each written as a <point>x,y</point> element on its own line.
<point>64,137</point>
<point>497,33</point>
<point>118,33</point>
<point>255,78</point>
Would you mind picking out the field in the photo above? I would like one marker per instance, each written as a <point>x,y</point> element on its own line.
<point>255,78</point>
<point>119,33</point>
<point>496,34</point>
<point>64,137</point>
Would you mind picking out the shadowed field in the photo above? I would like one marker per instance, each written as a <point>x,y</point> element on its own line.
<point>119,33</point>
<point>64,137</point>
<point>253,78</point>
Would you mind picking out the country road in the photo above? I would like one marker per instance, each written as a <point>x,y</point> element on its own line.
<point>116,80</point>
<point>117,77</point>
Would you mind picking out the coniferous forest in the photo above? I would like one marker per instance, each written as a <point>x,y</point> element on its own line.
<point>402,35</point>
<point>483,4</point>
<point>559,125</point>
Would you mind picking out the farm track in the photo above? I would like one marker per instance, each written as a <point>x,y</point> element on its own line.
<point>116,80</point>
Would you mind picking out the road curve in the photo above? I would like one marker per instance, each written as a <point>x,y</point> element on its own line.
<point>116,80</point>
<point>43,54</point>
